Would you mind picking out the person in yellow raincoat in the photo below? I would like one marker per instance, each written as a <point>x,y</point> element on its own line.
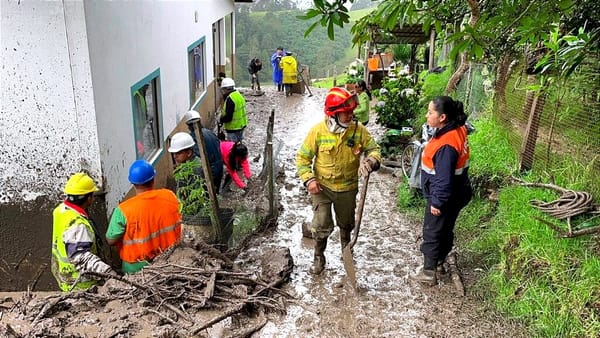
<point>329,162</point>
<point>289,67</point>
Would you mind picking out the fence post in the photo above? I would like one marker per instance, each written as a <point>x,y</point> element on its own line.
<point>533,124</point>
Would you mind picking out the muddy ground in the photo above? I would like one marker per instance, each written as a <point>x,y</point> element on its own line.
<point>386,304</point>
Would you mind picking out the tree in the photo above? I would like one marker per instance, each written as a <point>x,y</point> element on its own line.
<point>478,30</point>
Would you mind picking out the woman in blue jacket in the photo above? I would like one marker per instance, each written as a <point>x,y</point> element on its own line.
<point>445,182</point>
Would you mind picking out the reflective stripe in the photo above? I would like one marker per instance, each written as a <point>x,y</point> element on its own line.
<point>152,235</point>
<point>457,171</point>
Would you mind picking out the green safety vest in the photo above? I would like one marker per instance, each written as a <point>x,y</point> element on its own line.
<point>65,273</point>
<point>240,120</point>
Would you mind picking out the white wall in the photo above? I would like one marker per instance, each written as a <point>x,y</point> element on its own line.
<point>47,117</point>
<point>127,42</point>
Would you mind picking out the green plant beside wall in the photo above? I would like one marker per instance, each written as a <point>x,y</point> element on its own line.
<point>190,189</point>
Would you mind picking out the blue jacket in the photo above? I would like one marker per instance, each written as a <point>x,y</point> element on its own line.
<point>277,71</point>
<point>444,185</point>
<point>213,150</point>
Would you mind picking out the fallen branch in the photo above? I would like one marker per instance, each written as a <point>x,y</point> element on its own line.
<point>455,273</point>
<point>227,313</point>
<point>570,233</point>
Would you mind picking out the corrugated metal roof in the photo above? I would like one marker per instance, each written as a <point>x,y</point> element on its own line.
<point>409,34</point>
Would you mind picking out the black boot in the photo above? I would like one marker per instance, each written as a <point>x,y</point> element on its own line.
<point>426,275</point>
<point>319,260</point>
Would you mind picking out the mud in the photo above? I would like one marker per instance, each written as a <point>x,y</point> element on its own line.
<point>386,303</point>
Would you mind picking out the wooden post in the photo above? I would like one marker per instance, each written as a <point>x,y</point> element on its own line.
<point>271,161</point>
<point>529,141</point>
<point>431,64</point>
<point>214,203</point>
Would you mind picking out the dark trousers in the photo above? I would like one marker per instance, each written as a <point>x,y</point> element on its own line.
<point>438,231</point>
<point>255,81</point>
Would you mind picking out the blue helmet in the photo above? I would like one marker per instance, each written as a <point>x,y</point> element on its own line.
<point>141,172</point>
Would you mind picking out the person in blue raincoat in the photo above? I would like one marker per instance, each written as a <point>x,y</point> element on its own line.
<point>277,71</point>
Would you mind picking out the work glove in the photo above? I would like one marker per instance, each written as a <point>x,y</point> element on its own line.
<point>367,166</point>
<point>254,76</point>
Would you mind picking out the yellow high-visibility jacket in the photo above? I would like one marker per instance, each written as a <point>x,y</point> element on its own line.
<point>290,69</point>
<point>327,157</point>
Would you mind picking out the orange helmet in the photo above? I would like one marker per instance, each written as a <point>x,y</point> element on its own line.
<point>339,100</point>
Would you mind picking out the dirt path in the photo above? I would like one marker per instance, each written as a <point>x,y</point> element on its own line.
<point>387,303</point>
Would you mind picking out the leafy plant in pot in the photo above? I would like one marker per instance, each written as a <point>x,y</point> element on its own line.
<point>196,206</point>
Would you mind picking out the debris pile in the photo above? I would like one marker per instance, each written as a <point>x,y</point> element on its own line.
<point>183,293</point>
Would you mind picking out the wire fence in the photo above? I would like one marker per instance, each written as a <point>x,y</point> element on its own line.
<point>554,131</point>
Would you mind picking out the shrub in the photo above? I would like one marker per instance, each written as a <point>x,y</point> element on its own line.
<point>398,103</point>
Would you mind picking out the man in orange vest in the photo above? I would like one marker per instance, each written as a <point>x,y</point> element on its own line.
<point>147,224</point>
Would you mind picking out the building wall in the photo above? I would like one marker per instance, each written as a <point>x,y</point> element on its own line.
<point>142,37</point>
<point>67,70</point>
<point>48,125</point>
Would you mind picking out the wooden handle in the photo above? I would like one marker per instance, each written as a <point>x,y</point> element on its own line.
<point>359,212</point>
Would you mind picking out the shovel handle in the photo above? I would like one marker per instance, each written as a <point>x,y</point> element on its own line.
<point>359,211</point>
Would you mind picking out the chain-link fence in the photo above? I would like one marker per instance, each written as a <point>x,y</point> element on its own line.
<point>554,130</point>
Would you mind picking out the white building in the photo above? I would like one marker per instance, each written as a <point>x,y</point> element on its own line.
<point>95,85</point>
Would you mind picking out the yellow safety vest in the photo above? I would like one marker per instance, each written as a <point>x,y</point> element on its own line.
<point>65,273</point>
<point>240,120</point>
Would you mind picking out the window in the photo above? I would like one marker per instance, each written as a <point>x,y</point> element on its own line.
<point>145,97</point>
<point>197,70</point>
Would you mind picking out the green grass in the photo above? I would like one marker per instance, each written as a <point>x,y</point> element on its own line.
<point>530,274</point>
<point>548,282</point>
<point>244,223</point>
<point>328,82</point>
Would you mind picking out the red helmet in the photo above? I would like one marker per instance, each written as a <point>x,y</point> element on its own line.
<point>339,100</point>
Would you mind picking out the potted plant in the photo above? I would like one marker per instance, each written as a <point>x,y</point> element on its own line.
<point>196,208</point>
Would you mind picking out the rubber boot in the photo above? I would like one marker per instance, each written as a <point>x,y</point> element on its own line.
<point>319,260</point>
<point>426,275</point>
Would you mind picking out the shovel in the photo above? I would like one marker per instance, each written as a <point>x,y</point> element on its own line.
<point>347,253</point>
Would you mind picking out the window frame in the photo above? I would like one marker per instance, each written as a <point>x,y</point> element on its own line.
<point>153,80</point>
<point>191,72</point>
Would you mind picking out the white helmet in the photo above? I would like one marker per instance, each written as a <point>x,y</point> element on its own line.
<point>191,116</point>
<point>227,83</point>
<point>181,141</point>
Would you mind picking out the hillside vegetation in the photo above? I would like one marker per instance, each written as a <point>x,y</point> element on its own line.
<point>258,34</point>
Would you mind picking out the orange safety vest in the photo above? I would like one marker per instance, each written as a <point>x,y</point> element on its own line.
<point>153,225</point>
<point>457,139</point>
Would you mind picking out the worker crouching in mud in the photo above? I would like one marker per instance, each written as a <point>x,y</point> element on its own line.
<point>328,163</point>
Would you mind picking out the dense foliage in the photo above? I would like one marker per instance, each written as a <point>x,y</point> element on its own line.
<point>190,190</point>
<point>398,104</point>
<point>258,34</point>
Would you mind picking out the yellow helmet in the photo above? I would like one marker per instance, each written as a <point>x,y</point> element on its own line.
<point>80,184</point>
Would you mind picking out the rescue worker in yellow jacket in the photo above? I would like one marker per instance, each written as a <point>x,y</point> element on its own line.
<point>445,182</point>
<point>74,237</point>
<point>147,224</point>
<point>289,67</point>
<point>329,162</point>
